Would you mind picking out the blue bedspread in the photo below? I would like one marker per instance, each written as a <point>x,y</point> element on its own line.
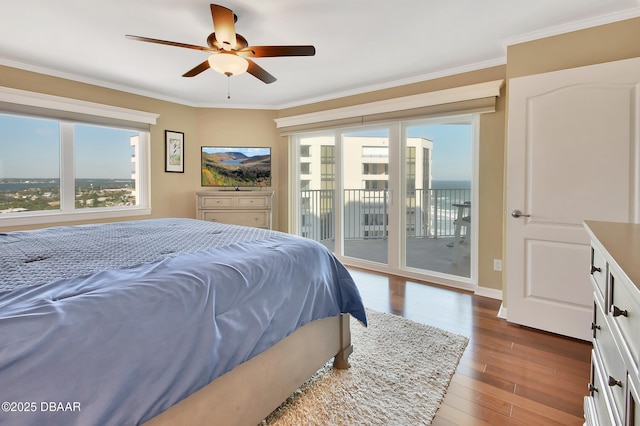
<point>119,346</point>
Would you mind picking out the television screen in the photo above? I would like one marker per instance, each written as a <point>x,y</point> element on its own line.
<point>236,166</point>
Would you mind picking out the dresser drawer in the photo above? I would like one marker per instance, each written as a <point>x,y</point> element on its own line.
<point>613,368</point>
<point>216,202</point>
<point>258,219</point>
<point>599,273</point>
<point>633,406</point>
<point>625,311</point>
<point>253,202</point>
<point>598,392</point>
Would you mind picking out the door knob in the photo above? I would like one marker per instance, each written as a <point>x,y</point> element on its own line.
<point>518,213</point>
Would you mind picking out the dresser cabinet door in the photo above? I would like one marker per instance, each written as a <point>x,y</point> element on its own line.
<point>625,310</point>
<point>613,368</point>
<point>598,272</point>
<point>598,391</point>
<point>633,410</point>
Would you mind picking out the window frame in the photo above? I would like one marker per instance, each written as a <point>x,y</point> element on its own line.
<point>398,166</point>
<point>68,112</point>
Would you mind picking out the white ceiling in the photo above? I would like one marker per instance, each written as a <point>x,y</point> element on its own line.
<point>361,45</point>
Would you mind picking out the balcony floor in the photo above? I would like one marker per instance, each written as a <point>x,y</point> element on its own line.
<point>423,253</point>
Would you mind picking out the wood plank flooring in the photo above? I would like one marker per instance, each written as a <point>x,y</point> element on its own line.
<point>509,374</point>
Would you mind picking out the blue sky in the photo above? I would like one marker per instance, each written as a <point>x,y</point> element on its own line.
<point>451,149</point>
<point>30,149</point>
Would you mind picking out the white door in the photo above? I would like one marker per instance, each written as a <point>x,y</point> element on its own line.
<point>572,156</point>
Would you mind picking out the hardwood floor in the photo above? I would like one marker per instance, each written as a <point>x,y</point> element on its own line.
<point>509,374</point>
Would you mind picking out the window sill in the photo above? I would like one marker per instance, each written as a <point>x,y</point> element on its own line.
<point>41,218</point>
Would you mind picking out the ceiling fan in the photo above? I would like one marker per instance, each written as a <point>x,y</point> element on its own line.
<point>229,51</point>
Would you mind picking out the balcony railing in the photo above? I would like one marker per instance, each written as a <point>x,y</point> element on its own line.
<point>429,213</point>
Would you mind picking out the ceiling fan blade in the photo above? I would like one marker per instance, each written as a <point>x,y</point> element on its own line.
<point>170,43</point>
<point>224,25</point>
<point>271,51</point>
<point>197,69</point>
<point>260,73</point>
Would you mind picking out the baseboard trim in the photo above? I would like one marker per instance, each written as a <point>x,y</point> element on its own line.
<point>502,312</point>
<point>491,293</point>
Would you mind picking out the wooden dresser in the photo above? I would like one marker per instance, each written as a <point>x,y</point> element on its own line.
<point>247,208</point>
<point>614,390</point>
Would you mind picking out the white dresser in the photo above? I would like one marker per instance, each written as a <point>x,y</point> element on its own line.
<point>614,389</point>
<point>247,208</point>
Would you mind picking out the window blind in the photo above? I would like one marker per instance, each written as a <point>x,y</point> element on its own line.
<point>477,98</point>
<point>14,101</point>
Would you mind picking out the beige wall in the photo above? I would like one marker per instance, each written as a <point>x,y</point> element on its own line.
<point>172,193</point>
<point>595,45</point>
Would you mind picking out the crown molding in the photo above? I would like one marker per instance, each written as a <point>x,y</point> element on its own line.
<point>572,26</point>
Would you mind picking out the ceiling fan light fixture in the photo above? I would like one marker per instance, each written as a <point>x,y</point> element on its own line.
<point>228,63</point>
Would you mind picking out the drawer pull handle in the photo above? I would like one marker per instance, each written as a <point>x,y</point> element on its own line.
<point>592,388</point>
<point>595,269</point>
<point>595,326</point>
<point>617,312</point>
<point>614,382</point>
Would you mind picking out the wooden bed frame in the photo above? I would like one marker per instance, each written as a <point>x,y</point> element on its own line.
<point>252,390</point>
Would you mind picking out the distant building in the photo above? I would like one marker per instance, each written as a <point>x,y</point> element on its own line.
<point>366,187</point>
<point>134,141</point>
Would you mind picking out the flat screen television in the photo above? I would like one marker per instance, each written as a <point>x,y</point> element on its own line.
<point>236,167</point>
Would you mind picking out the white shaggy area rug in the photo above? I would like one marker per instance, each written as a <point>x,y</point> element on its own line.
<point>400,371</point>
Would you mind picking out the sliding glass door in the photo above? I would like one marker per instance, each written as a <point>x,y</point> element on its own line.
<point>365,189</point>
<point>396,198</point>
<point>438,170</point>
<point>315,184</point>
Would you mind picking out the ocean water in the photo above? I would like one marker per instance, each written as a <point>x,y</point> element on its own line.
<point>445,194</point>
<point>451,184</point>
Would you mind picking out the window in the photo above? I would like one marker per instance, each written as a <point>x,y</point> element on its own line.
<point>105,160</point>
<point>56,169</point>
<point>376,184</point>
<point>29,165</point>
<point>375,168</point>
<point>327,166</point>
<point>394,187</point>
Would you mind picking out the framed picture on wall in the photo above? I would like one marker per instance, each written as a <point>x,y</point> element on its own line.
<point>174,151</point>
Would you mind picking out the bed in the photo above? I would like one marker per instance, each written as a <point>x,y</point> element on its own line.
<point>165,321</point>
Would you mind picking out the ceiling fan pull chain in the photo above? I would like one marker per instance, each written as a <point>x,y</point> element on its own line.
<point>228,87</point>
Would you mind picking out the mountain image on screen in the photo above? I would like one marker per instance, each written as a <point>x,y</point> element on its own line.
<point>233,168</point>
